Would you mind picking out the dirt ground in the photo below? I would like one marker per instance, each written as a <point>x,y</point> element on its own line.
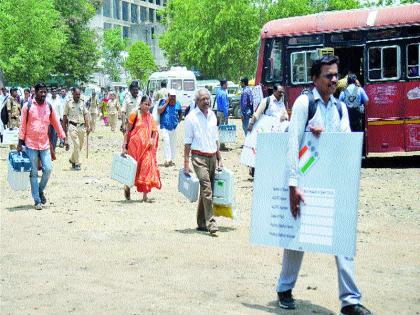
<point>91,252</point>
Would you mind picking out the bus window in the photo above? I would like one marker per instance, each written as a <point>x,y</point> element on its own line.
<point>301,66</point>
<point>274,72</point>
<point>189,85</point>
<point>413,60</point>
<point>176,84</point>
<point>384,63</point>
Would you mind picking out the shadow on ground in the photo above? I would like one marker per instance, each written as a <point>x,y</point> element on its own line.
<point>302,307</point>
<point>392,162</point>
<point>222,229</point>
<point>21,208</point>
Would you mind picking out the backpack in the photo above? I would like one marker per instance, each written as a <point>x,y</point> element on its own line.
<point>267,104</point>
<point>312,106</point>
<point>352,100</point>
<point>4,113</point>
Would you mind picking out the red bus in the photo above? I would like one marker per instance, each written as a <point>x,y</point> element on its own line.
<point>380,45</point>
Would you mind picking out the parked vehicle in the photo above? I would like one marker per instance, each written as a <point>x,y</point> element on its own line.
<point>180,79</point>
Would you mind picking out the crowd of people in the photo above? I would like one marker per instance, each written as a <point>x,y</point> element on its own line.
<point>39,116</point>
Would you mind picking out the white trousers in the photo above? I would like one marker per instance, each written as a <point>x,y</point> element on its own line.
<point>169,144</point>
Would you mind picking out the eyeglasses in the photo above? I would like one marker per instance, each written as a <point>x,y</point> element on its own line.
<point>330,76</point>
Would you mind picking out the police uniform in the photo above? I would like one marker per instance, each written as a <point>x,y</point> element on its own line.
<point>113,109</point>
<point>93,110</point>
<point>13,110</point>
<point>75,113</point>
<point>130,103</point>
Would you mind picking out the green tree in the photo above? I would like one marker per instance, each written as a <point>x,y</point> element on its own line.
<point>113,46</point>
<point>140,62</point>
<point>216,36</point>
<point>79,56</point>
<point>31,37</point>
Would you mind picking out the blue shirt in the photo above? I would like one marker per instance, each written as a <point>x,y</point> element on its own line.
<point>222,102</point>
<point>169,119</point>
<point>362,97</point>
<point>247,107</point>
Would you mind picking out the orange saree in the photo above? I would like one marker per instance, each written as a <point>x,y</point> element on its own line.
<point>143,150</point>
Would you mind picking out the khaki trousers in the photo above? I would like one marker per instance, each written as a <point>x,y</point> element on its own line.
<point>77,135</point>
<point>113,120</point>
<point>93,119</point>
<point>205,168</point>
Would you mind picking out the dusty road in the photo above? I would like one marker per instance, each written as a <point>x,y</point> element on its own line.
<point>91,252</point>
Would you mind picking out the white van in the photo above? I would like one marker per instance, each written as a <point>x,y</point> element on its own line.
<point>177,78</point>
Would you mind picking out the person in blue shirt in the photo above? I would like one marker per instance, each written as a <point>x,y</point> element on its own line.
<point>356,100</point>
<point>222,104</point>
<point>170,115</point>
<point>247,107</point>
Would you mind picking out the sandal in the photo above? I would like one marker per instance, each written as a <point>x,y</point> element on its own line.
<point>127,193</point>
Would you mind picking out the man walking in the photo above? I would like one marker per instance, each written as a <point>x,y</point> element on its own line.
<point>93,110</point>
<point>13,108</point>
<point>356,100</point>
<point>170,115</point>
<point>247,105</point>
<point>36,118</point>
<point>330,116</point>
<point>222,101</point>
<point>76,122</point>
<point>59,110</point>
<point>201,141</point>
<point>131,102</point>
<point>113,110</point>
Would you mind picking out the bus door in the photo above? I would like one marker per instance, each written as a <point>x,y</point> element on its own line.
<point>385,89</point>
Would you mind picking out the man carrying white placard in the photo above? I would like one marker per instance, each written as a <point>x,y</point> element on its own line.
<point>330,116</point>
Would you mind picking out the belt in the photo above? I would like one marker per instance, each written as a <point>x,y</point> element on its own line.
<point>76,124</point>
<point>196,152</point>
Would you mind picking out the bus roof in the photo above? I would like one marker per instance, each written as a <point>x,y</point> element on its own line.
<point>173,73</point>
<point>338,21</point>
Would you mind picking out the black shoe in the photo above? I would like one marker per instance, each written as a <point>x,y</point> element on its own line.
<point>286,300</point>
<point>42,196</point>
<point>202,229</point>
<point>356,309</point>
<point>77,167</point>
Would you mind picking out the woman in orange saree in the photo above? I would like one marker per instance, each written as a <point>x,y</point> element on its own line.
<point>141,143</point>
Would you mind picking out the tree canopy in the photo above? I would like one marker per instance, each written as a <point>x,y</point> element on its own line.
<point>220,38</point>
<point>31,38</point>
<point>113,46</point>
<point>140,62</point>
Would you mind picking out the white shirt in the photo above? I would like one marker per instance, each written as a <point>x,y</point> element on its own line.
<point>58,106</point>
<point>326,117</point>
<point>201,131</point>
<point>275,108</point>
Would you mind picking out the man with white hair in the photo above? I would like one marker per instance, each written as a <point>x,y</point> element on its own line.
<point>202,142</point>
<point>170,115</point>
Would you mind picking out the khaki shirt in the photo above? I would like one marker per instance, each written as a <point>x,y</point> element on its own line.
<point>13,107</point>
<point>75,112</point>
<point>113,107</point>
<point>129,104</point>
<point>94,105</point>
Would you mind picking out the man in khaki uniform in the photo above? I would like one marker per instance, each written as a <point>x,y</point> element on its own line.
<point>131,102</point>
<point>13,111</point>
<point>93,110</point>
<point>76,122</point>
<point>113,109</point>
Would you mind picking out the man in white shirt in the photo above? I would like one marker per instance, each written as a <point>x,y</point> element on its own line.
<point>330,116</point>
<point>201,140</point>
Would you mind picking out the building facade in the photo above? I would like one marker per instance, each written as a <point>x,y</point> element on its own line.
<point>138,20</point>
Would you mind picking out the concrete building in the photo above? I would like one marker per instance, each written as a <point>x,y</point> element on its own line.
<point>138,20</point>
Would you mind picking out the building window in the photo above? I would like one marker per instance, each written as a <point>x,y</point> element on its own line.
<point>158,2</point>
<point>143,14</point>
<point>125,11</point>
<point>413,60</point>
<point>384,63</point>
<point>107,8</point>
<point>151,1</point>
<point>301,66</point>
<point>151,15</point>
<point>125,31</point>
<point>107,26</point>
<point>134,13</point>
<point>117,9</point>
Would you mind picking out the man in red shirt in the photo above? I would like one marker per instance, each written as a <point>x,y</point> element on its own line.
<point>33,134</point>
